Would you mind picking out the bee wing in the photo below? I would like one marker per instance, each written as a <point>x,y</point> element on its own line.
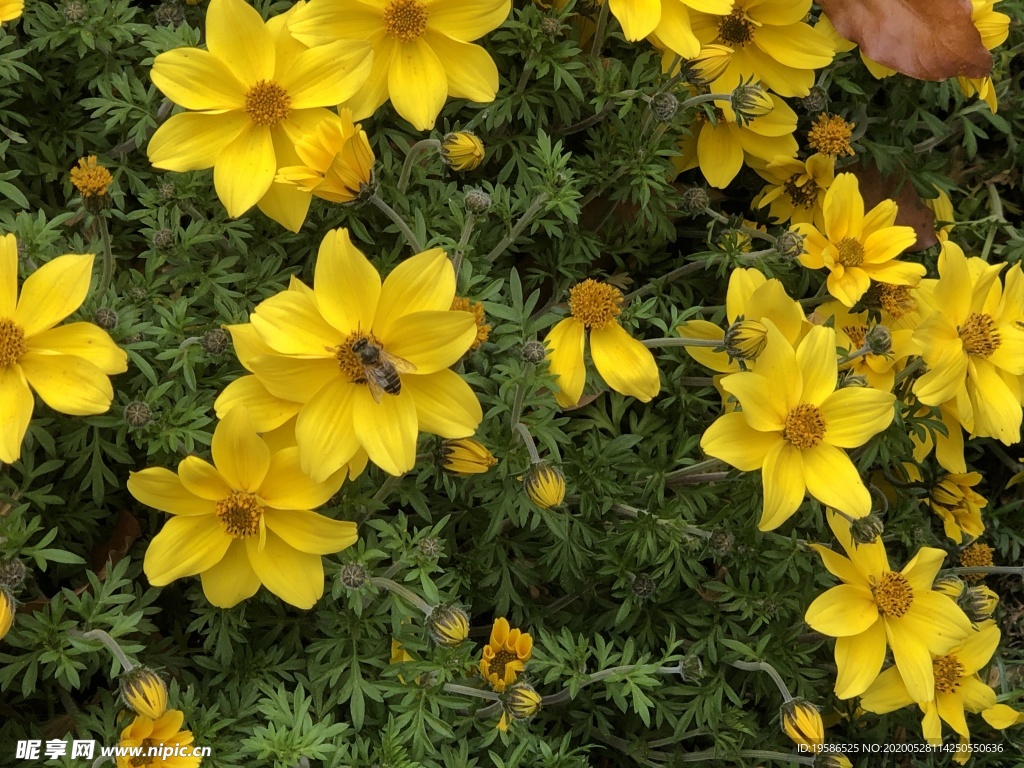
<point>376,380</point>
<point>398,363</point>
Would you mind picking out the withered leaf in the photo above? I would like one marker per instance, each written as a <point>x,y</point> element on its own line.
<point>875,188</point>
<point>926,39</point>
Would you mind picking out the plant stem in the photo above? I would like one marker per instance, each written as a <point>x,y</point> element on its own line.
<point>460,249</point>
<point>108,256</point>
<point>520,395</point>
<point>865,350</point>
<point>704,98</point>
<point>399,222</point>
<point>465,690</point>
<point>707,477</point>
<point>403,592</point>
<point>660,282</point>
<point>524,433</point>
<point>914,366</point>
<point>988,570</point>
<point>525,76</point>
<point>563,695</point>
<point>517,229</point>
<point>602,23</point>
<point>98,634</point>
<point>764,666</point>
<point>414,151</point>
<point>694,469</point>
<point>745,230</point>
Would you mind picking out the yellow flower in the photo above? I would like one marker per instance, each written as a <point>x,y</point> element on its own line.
<point>164,731</point>
<point>709,65</point>
<point>466,456</point>
<point>954,500</point>
<point>830,135</point>
<point>796,189</point>
<point>750,298</point>
<point>369,362</point>
<point>994,27</point>
<point>770,42</point>
<point>668,21</point>
<point>957,687</point>
<point>422,52</point>
<point>520,702</point>
<point>721,148</point>
<point>243,521</point>
<point>794,425</point>
<point>857,247</point>
<point>462,151</point>
<point>7,607</point>
<point>69,366</point>
<point>802,722</point>
<point>338,161</point>
<point>144,691</point>
<point>626,365</point>
<point>255,93</point>
<point>973,338</point>
<point>11,9</point>
<point>505,655</point>
<point>545,486</point>
<point>875,604</point>
<point>90,178</point>
<point>448,625</point>
<point>483,330</point>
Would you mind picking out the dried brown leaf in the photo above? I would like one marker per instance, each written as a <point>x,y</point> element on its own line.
<point>875,188</point>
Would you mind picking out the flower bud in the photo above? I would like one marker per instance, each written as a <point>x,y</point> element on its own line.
<point>169,14</point>
<point>545,486</point>
<point>167,191</point>
<point>431,547</point>
<point>73,10</point>
<point>353,575</point>
<point>722,542</point>
<point>851,379</point>
<point>162,239</point>
<point>7,606</point>
<point>950,586</point>
<point>215,341</point>
<point>801,721</point>
<point>12,575</point>
<point>643,586</point>
<point>137,414</point>
<point>477,201</point>
<point>815,101</point>
<point>465,456</point>
<point>521,701</point>
<point>979,603</point>
<point>144,691</point>
<point>790,245</point>
<point>710,64</point>
<point>866,529</point>
<point>533,351</point>
<point>462,151</point>
<point>105,318</point>
<point>745,339</point>
<point>664,106</point>
<point>879,340</point>
<point>832,760</point>
<point>551,26</point>
<point>448,625</point>
<point>693,201</point>
<point>750,101</point>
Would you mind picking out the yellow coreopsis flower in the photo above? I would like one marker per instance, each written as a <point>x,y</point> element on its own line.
<point>875,606</point>
<point>11,9</point>
<point>337,161</point>
<point>626,365</point>
<point>973,345</point>
<point>422,50</point>
<point>505,655</point>
<point>750,298</point>
<point>770,42</point>
<point>852,328</point>
<point>243,521</point>
<point>957,689</point>
<point>794,424</point>
<point>68,366</point>
<point>858,247</point>
<point>955,501</point>
<point>368,361</point>
<point>667,20</point>
<point>148,733</point>
<point>796,188</point>
<point>719,149</point>
<point>252,95</point>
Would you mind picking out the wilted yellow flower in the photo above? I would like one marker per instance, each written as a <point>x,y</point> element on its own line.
<point>505,655</point>
<point>448,625</point>
<point>954,500</point>
<point>520,702</point>
<point>90,178</point>
<point>148,733</point>
<point>483,329</point>
<point>462,151</point>
<point>802,722</point>
<point>466,456</point>
<point>545,486</point>
<point>338,161</point>
<point>144,691</point>
<point>830,135</point>
<point>7,607</point>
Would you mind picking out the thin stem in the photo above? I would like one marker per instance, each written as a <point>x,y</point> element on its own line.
<point>723,219</point>
<point>98,634</point>
<point>988,570</point>
<point>517,400</point>
<point>399,222</point>
<point>667,341</point>
<point>465,690</point>
<point>912,368</point>
<point>517,229</point>
<point>693,101</point>
<point>108,256</point>
<point>596,677</point>
<point>661,282</point>
<point>694,469</point>
<point>525,76</point>
<point>695,381</point>
<point>764,666</point>
<point>414,151</point>
<point>602,23</point>
<point>758,754</point>
<point>707,477</point>
<point>865,350</point>
<point>524,433</point>
<point>586,122</point>
<point>460,249</point>
<point>403,592</point>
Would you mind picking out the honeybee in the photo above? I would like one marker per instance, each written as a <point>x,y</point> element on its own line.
<point>381,369</point>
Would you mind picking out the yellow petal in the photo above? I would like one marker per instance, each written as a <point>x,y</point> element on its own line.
<point>637,17</point>
<point>951,709</point>
<point>445,404</point>
<point>291,324</point>
<point>238,452</point>
<point>761,407</point>
<point>185,546</point>
<point>245,169</point>
<point>833,480</point>
<point>161,489</point>
<point>423,283</point>
<point>869,559</point>
<point>626,365</point>
<point>8,275</point>
<point>202,479</point>
<point>16,405</point>
<point>323,430</point>
<point>193,142</point>
<point>285,203</point>
<point>309,532</point>
<point>83,340</point>
<point>294,377</point>
<point>232,580</point>
<point>472,73</point>
<point>844,209</point>
<point>848,285</point>
<point>328,74</point>
<point>702,329</point>
<point>777,363</point>
<point>68,384</point>
<point>346,284</point>
<point>387,430</point>
<point>719,154</point>
<point>286,486</point>
<point>467,21</point>
<point>921,570</point>
<point>53,292</point>
<point>295,577</point>
<point>976,695</point>
<point>731,439</point>
<point>784,487</point>
<point>196,79</point>
<point>855,414</point>
<point>375,90</point>
<point>236,34</point>
<point>979,647</point>
<point>839,566</point>
<point>859,660</point>
<point>564,343</point>
<point>886,694</point>
<point>816,358</point>
<point>1001,716</point>
<point>912,659</point>
<point>266,411</point>
<point>417,83</point>
<point>674,30</point>
<point>431,341</point>
<point>795,45</point>
<point>842,611</point>
<point>936,620</point>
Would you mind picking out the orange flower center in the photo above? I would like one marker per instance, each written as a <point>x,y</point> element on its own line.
<point>803,195</point>
<point>405,20</point>
<point>736,28</point>
<point>948,672</point>
<point>857,334</point>
<point>595,304</point>
<point>90,178</point>
<point>502,658</point>
<point>483,329</point>
<point>349,362</point>
<point>851,252</point>
<point>893,594</point>
<point>976,555</point>
<point>979,335</point>
<point>267,103</point>
<point>240,514</point>
<point>896,299</point>
<point>830,135</point>
<point>12,342</point>
<point>805,426</point>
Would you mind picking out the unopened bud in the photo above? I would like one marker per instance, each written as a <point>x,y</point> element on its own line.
<point>832,760</point>
<point>215,341</point>
<point>138,294</point>
<point>722,542</point>
<point>644,586</point>
<point>664,106</point>
<point>169,14</point>
<point>693,201</point>
<point>878,340</point>
<point>12,575</point>
<point>477,201</point>
<point>448,625</point>
<point>431,547</point>
<point>790,245</point>
<point>815,101</point>
<point>850,379</point>
<point>465,456</point>
<point>551,26</point>
<point>7,607</point>
<point>745,339</point>
<point>167,191</point>
<point>73,10</point>
<point>710,64</point>
<point>162,239</point>
<point>801,721</point>
<point>545,486</point>
<point>144,692</point>
<point>979,603</point>
<point>866,529</point>
<point>750,101</point>
<point>950,586</point>
<point>137,414</point>
<point>521,701</point>
<point>105,318</point>
<point>353,575</point>
<point>462,151</point>
<point>533,351</point>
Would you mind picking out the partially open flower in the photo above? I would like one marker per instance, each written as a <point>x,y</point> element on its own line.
<point>465,456</point>
<point>448,625</point>
<point>520,702</point>
<point>545,486</point>
<point>505,656</point>
<point>462,151</point>
<point>802,722</point>
<point>144,691</point>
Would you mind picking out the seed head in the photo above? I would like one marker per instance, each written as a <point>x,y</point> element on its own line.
<point>215,341</point>
<point>137,414</point>
<point>693,201</point>
<point>105,318</point>
<point>477,201</point>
